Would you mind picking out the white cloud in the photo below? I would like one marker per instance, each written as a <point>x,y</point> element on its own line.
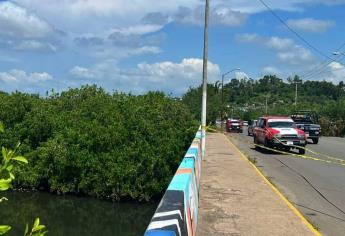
<point>145,50</point>
<point>336,66</point>
<point>273,42</point>
<point>310,25</point>
<point>188,68</point>
<point>22,29</point>
<point>287,50</point>
<point>250,6</point>
<point>119,53</point>
<point>271,70</point>
<point>21,77</point>
<point>33,45</point>
<point>17,22</point>
<point>137,29</point>
<point>8,59</point>
<point>139,8</point>
<point>166,76</point>
<point>220,15</point>
<point>76,12</point>
<point>337,72</point>
<point>104,13</point>
<point>80,8</point>
<point>295,57</point>
<point>82,72</point>
<point>227,17</point>
<point>249,38</point>
<point>240,75</point>
<point>120,43</point>
<point>280,44</point>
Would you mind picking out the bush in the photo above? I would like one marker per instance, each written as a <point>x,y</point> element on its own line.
<point>86,141</point>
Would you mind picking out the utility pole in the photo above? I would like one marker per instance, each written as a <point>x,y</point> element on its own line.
<point>266,104</point>
<point>222,108</point>
<point>296,83</point>
<point>296,94</point>
<point>204,81</point>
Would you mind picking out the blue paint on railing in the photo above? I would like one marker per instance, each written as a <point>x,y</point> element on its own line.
<point>177,213</point>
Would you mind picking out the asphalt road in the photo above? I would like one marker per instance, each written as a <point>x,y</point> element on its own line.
<point>316,188</point>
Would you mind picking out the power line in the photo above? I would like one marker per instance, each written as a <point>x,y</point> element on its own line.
<point>324,73</point>
<point>324,65</point>
<point>311,185</point>
<point>319,69</point>
<point>294,32</point>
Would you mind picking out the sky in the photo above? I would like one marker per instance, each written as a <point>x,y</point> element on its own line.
<point>141,45</point>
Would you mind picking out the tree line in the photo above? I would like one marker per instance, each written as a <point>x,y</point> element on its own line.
<point>89,142</point>
<point>246,99</point>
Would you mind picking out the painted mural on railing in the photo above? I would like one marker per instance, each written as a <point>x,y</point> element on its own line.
<point>177,213</point>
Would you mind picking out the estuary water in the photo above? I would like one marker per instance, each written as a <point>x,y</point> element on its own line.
<point>74,216</point>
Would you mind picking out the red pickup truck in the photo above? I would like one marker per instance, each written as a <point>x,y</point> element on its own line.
<point>233,125</point>
<point>279,132</point>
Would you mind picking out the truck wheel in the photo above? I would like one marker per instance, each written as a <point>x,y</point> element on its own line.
<point>301,151</point>
<point>257,147</point>
<point>267,144</point>
<point>256,142</point>
<point>315,140</point>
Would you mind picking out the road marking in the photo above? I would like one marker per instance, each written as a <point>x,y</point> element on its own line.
<point>287,202</point>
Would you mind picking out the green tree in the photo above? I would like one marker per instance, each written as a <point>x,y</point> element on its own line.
<point>85,141</point>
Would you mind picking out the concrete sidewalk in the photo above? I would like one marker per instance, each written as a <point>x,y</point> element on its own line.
<point>236,200</point>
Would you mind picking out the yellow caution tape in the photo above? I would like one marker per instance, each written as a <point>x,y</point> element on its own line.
<point>299,155</point>
<point>339,161</point>
<point>206,127</point>
<point>314,152</point>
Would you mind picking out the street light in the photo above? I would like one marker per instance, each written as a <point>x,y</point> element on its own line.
<point>338,53</point>
<point>223,76</point>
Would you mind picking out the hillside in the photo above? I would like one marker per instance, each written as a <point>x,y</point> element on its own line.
<point>246,99</point>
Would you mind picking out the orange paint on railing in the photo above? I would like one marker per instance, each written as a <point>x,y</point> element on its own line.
<point>183,171</point>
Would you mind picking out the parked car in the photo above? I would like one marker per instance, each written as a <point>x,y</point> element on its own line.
<point>279,132</point>
<point>251,126</point>
<point>234,125</point>
<point>307,121</point>
<point>245,123</point>
<point>218,123</point>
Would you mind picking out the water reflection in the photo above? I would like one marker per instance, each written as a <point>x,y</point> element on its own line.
<point>69,215</point>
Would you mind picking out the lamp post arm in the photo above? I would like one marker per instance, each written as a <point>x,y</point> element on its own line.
<point>222,105</point>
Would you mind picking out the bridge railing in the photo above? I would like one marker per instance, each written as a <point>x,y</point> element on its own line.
<point>177,212</point>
